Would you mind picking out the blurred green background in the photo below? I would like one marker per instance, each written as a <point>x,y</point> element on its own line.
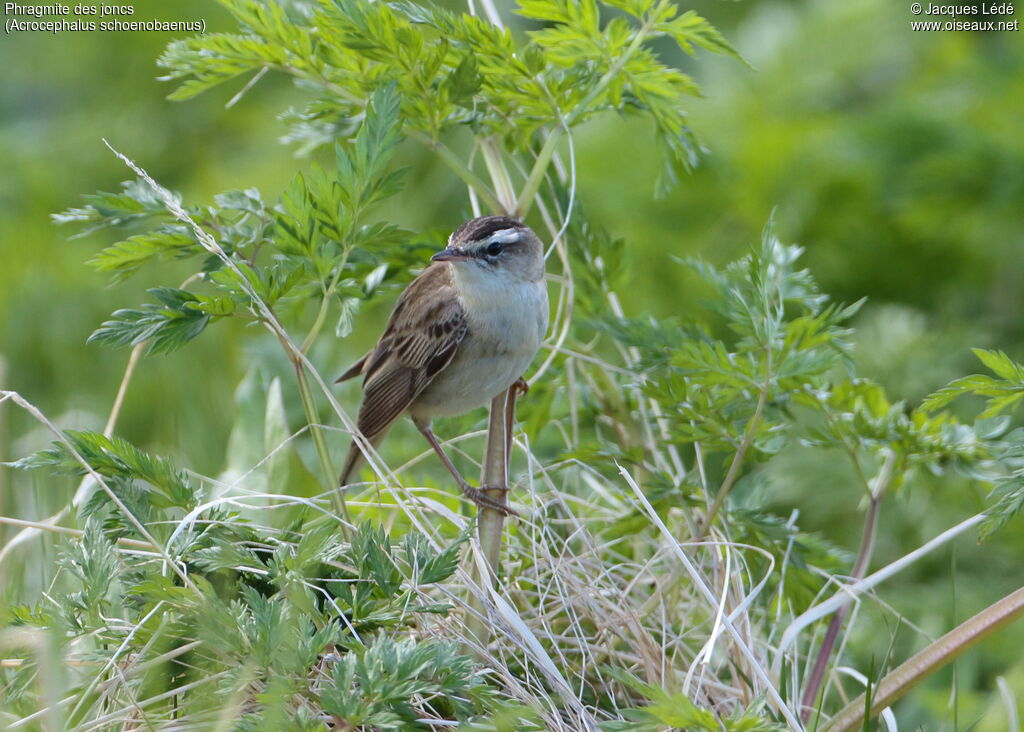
<point>895,157</point>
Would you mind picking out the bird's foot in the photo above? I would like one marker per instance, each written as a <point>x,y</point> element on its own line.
<point>520,386</point>
<point>477,496</point>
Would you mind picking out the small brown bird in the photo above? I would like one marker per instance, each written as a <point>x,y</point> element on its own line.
<point>461,333</point>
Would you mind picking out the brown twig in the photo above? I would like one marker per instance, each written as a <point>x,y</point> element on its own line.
<point>923,664</point>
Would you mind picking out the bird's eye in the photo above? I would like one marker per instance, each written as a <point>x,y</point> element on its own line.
<point>494,249</point>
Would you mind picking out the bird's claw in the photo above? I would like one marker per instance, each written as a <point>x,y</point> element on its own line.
<point>520,386</point>
<point>477,496</point>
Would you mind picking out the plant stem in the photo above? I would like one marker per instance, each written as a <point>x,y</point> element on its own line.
<point>499,174</point>
<point>321,316</point>
<point>860,568</point>
<point>540,165</point>
<point>494,482</point>
<point>734,467</point>
<point>330,477</point>
<point>325,305</point>
<point>850,592</point>
<point>921,665</point>
<point>538,171</point>
<point>458,167</point>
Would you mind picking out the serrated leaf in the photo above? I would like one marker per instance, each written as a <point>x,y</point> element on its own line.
<point>166,327</point>
<point>125,257</point>
<point>464,81</point>
<point>1001,364</point>
<point>636,8</point>
<point>114,457</point>
<point>362,174</point>
<point>690,29</point>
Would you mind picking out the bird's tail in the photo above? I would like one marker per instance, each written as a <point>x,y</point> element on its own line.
<point>353,461</point>
<point>355,458</point>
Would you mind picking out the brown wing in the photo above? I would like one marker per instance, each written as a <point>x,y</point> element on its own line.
<point>421,338</point>
<point>353,370</point>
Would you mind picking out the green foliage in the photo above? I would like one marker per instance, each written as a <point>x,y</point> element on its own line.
<point>137,202</point>
<point>269,618</point>
<point>602,263</point>
<point>785,352</point>
<point>284,619</point>
<point>180,317</point>
<point>312,244</point>
<point>453,69</point>
<point>677,711</point>
<point>373,687</point>
<point>1002,393</point>
<point>784,338</point>
<point>1007,496</point>
<point>125,257</point>
<point>119,460</point>
<point>95,569</point>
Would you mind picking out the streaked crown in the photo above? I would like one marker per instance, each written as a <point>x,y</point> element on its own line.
<point>499,243</point>
<point>485,229</point>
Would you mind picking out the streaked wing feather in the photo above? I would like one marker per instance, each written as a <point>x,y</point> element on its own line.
<point>386,398</point>
<point>421,338</point>
<point>353,370</point>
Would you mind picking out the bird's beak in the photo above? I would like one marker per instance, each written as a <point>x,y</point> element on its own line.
<point>450,255</point>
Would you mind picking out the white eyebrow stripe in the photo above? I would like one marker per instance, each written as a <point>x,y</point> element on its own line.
<point>505,236</point>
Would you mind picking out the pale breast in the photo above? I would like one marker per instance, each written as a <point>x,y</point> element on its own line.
<point>504,335</point>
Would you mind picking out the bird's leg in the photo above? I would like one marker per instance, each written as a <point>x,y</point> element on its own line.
<point>519,386</point>
<point>473,494</point>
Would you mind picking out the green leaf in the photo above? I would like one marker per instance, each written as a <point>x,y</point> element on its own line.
<point>1002,365</point>
<point>674,710</point>
<point>464,82</point>
<point>1004,393</point>
<point>1007,496</point>
<point>636,8</point>
<point>93,564</point>
<point>372,555</point>
<point>430,567</point>
<point>346,317</point>
<point>374,687</point>
<point>206,61</point>
<point>125,257</point>
<point>114,457</point>
<point>690,29</point>
<point>975,383</point>
<point>136,202</point>
<point>362,168</point>
<point>180,317</point>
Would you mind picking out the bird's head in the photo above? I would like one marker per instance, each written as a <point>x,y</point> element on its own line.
<point>497,245</point>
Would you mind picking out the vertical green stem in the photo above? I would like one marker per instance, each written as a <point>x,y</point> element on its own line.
<point>499,175</point>
<point>453,161</point>
<point>539,170</point>
<point>734,468</point>
<point>325,304</point>
<point>330,477</point>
